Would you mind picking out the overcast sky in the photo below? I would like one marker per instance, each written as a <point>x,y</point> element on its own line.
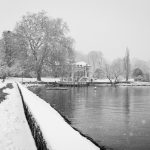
<point>108,26</point>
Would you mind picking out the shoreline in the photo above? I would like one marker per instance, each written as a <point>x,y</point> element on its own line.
<point>56,82</point>
<point>28,84</point>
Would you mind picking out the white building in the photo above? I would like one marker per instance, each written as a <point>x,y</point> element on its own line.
<point>81,70</point>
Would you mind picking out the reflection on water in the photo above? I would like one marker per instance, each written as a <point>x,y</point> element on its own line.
<point>116,117</point>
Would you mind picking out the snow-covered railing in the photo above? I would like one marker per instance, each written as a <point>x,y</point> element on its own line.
<point>49,128</point>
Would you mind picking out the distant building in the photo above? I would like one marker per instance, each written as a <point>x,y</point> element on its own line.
<point>80,71</point>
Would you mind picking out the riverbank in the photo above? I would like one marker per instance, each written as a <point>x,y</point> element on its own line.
<point>94,84</point>
<point>122,84</point>
<point>50,81</point>
<point>19,117</point>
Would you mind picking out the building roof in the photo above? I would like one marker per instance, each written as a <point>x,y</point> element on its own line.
<point>82,64</point>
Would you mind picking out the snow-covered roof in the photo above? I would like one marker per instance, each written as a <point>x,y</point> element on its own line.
<point>81,63</point>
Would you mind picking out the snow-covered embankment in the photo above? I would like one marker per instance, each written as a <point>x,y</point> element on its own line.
<point>56,133</point>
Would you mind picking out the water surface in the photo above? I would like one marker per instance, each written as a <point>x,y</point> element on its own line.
<point>115,117</point>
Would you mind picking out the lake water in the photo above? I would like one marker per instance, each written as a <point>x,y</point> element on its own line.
<point>118,118</point>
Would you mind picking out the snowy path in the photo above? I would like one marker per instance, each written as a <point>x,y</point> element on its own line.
<point>14,130</point>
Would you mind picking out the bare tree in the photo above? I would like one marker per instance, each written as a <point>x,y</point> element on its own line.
<point>108,72</point>
<point>11,54</point>
<point>9,48</point>
<point>114,70</point>
<point>95,59</point>
<point>46,39</point>
<point>99,73</point>
<point>117,69</point>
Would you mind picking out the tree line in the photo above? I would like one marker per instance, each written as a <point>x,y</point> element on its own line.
<point>103,69</point>
<point>38,45</point>
<point>41,46</point>
<point>123,68</point>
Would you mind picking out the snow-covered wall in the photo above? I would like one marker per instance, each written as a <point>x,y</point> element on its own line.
<point>56,133</point>
<point>34,127</point>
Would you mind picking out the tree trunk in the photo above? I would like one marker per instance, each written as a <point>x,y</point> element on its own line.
<point>39,75</point>
<point>110,81</point>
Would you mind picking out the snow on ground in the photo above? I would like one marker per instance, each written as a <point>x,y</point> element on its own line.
<point>58,134</point>
<point>14,130</point>
<point>132,82</point>
<point>46,79</point>
<point>101,80</point>
<point>135,83</point>
<point>107,80</point>
<point>2,84</point>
